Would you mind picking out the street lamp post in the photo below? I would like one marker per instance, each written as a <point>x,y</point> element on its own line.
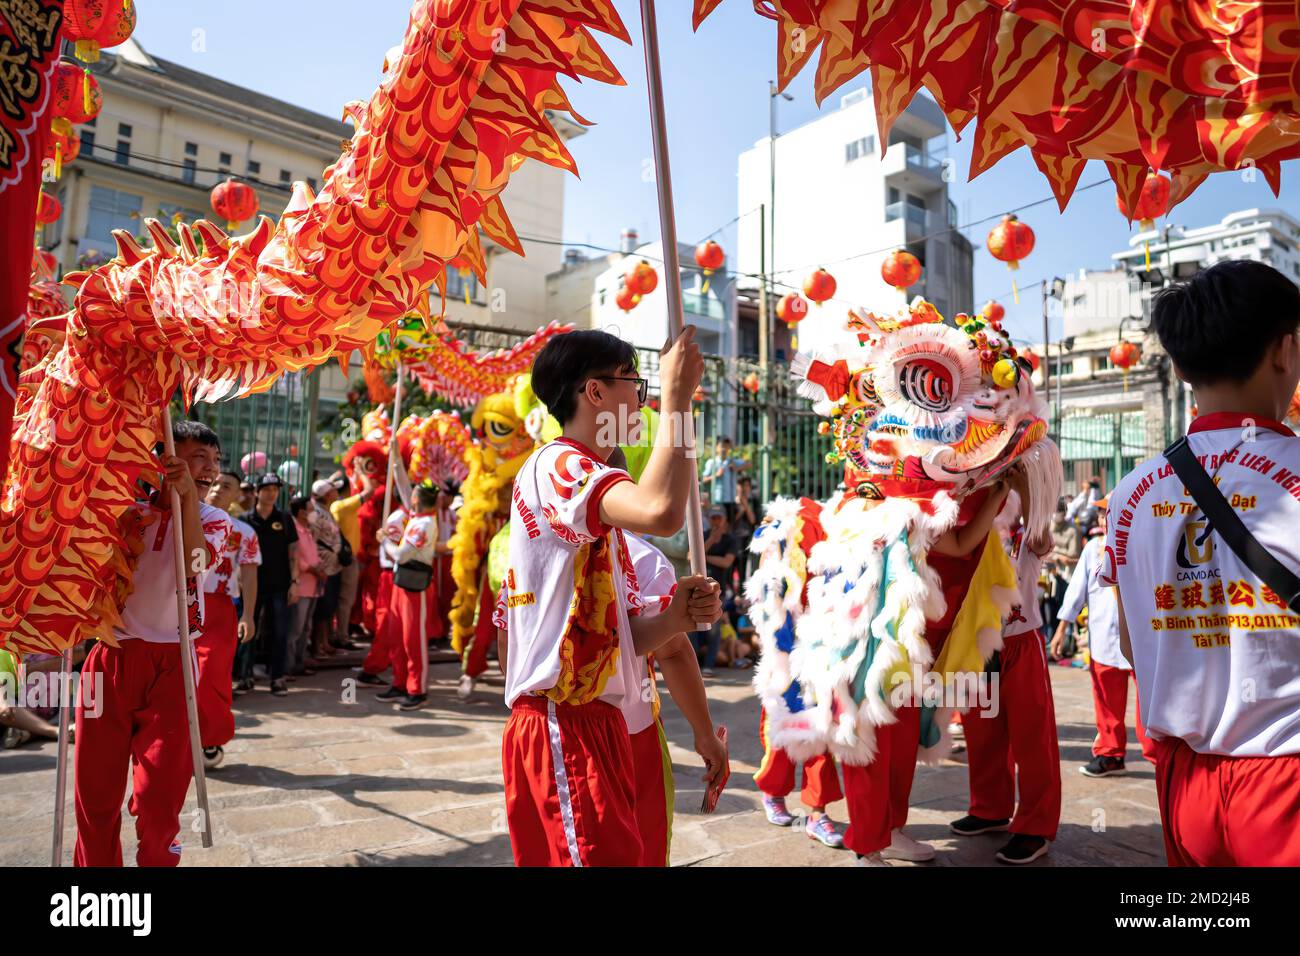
<point>767,267</point>
<point>1053,290</point>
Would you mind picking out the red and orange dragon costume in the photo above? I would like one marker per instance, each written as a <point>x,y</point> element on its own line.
<point>462,104</point>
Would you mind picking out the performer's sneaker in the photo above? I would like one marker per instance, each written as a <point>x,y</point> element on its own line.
<point>367,678</point>
<point>279,688</point>
<point>972,825</point>
<point>393,693</point>
<point>212,757</point>
<point>1103,767</point>
<point>871,859</point>
<point>413,701</point>
<point>903,847</point>
<point>465,689</point>
<point>823,830</point>
<point>1023,848</point>
<point>777,814</point>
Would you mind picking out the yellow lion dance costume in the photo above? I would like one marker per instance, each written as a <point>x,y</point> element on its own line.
<point>502,420</point>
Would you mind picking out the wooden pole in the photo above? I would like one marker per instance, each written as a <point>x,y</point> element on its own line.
<point>61,773</point>
<point>672,270</point>
<point>393,453</point>
<point>187,647</point>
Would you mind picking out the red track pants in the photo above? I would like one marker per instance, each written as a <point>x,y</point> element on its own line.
<point>214,650</point>
<point>570,785</point>
<point>381,650</point>
<point>655,792</point>
<point>474,658</point>
<point>367,602</point>
<point>407,633</point>
<point>1110,701</point>
<point>877,794</point>
<point>1227,811</point>
<point>142,720</point>
<point>775,777</point>
<point>1021,736</point>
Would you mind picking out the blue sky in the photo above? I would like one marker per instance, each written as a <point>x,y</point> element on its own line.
<point>319,55</point>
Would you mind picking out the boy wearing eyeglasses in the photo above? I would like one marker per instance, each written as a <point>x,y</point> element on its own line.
<point>571,654</point>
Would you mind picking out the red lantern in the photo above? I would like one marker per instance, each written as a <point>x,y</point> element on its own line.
<point>76,97</point>
<point>819,286</point>
<point>234,201</point>
<point>792,309</point>
<point>48,208</point>
<point>1125,355</point>
<point>119,24</point>
<point>709,257</point>
<point>751,383</point>
<point>901,269</point>
<point>627,297</point>
<point>60,149</point>
<point>1031,358</point>
<point>1010,241</point>
<point>82,19</point>
<point>642,278</point>
<point>993,312</point>
<point>1152,202</point>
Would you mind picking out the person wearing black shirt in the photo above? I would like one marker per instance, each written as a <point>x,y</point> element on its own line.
<point>719,561</point>
<point>742,528</point>
<point>277,577</point>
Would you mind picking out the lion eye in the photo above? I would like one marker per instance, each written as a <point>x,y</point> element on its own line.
<point>927,384</point>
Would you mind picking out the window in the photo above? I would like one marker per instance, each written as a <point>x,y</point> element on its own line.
<point>223,162</point>
<point>122,155</point>
<point>188,168</point>
<point>457,285</point>
<point>192,149</point>
<point>109,210</point>
<point>1061,368</point>
<point>254,168</point>
<point>285,176</point>
<point>859,148</point>
<point>87,141</point>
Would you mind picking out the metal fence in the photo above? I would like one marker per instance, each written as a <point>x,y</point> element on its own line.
<point>1105,446</point>
<point>283,426</point>
<point>271,432</point>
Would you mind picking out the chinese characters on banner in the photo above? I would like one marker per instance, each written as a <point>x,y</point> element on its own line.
<point>29,50</point>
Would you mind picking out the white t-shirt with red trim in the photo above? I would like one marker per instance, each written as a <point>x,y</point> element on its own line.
<point>1025,615</point>
<point>1216,653</point>
<point>419,538</point>
<point>241,549</point>
<point>554,515</point>
<point>393,530</point>
<point>150,611</point>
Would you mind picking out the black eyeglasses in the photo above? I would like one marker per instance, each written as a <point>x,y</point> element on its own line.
<point>642,385</point>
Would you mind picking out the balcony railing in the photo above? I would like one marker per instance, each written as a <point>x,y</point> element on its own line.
<point>919,159</point>
<point>702,305</point>
<point>905,210</point>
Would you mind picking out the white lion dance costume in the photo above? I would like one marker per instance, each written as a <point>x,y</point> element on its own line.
<point>854,613</point>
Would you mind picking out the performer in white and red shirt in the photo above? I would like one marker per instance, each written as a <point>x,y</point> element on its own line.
<point>142,723</point>
<point>1109,671</point>
<point>1011,746</point>
<point>571,653</point>
<point>409,615</point>
<point>380,656</point>
<point>233,577</point>
<point>1216,651</point>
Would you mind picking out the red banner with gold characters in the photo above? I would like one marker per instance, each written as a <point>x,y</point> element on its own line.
<point>29,49</point>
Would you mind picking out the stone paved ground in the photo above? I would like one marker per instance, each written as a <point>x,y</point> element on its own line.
<point>312,780</point>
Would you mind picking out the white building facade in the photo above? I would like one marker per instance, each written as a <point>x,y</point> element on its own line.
<point>841,205</point>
